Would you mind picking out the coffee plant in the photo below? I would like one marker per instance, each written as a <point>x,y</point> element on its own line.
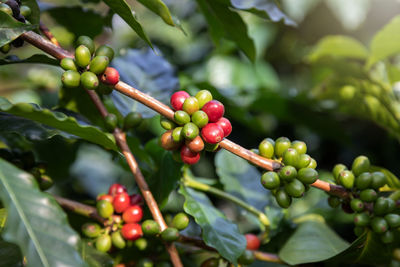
<point>123,127</point>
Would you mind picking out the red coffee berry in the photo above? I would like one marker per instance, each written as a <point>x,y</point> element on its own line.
<point>177,99</point>
<point>136,199</point>
<point>188,156</point>
<point>133,214</point>
<point>212,133</point>
<point>110,76</point>
<point>214,110</point>
<point>109,198</point>
<point>121,202</point>
<point>131,231</point>
<point>116,189</point>
<point>225,125</point>
<point>253,243</point>
<point>195,145</point>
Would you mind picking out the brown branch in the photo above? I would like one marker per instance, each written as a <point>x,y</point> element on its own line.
<point>164,110</point>
<point>43,28</point>
<point>270,257</point>
<point>79,208</point>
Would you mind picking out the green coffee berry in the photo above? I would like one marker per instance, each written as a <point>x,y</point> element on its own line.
<point>203,97</point>
<point>180,221</point>
<point>364,180</point>
<point>357,205</point>
<point>283,199</point>
<point>359,230</point>
<point>378,180</point>
<point>266,149</point>
<point>300,146</point>
<point>347,179</point>
<point>368,195</point>
<point>82,56</point>
<point>290,157</point>
<point>360,164</point>
<point>145,262</point>
<point>181,117</point>
<point>104,208</point>
<point>170,234</point>
<point>288,173</point>
<point>246,258</point>
<point>295,188</point>
<point>105,50</point>
<point>89,80</point>
<point>99,64</point>
<point>190,105</point>
<point>141,243</point>
<point>304,161</point>
<point>313,164</point>
<point>270,180</point>
<point>103,243</point>
<point>337,170</point>
<point>361,219</point>
<point>5,48</point>
<point>211,147</point>
<point>190,131</point>
<point>393,220</point>
<point>132,120</point>
<point>391,205</point>
<point>111,122</point>
<point>68,64</point>
<point>334,202</point>
<point>85,41</point>
<point>379,225</point>
<point>307,175</point>
<point>117,240</point>
<point>177,135</point>
<point>281,145</point>
<point>387,237</point>
<point>104,89</point>
<point>167,124</point>
<point>150,227</point>
<point>25,11</point>
<point>71,78</point>
<point>381,206</point>
<point>200,118</point>
<point>6,9</point>
<point>91,230</point>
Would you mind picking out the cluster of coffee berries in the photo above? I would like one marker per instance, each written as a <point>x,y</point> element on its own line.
<point>373,212</point>
<point>123,213</point>
<point>21,13</point>
<point>130,121</point>
<point>179,222</point>
<point>295,177</point>
<point>26,161</point>
<point>89,66</point>
<point>199,124</point>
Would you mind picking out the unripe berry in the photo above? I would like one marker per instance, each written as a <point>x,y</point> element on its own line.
<point>300,146</point>
<point>290,157</point>
<point>378,180</point>
<point>368,195</point>
<point>188,156</point>
<point>246,258</point>
<point>360,164</point>
<point>307,175</point>
<point>266,149</point>
<point>387,237</point>
<point>379,225</point>
<point>177,99</point>
<point>68,64</point>
<point>131,231</point>
<point>85,41</point>
<point>295,188</point>
<point>347,179</point>
<point>180,221</point>
<point>116,189</point>
<point>211,262</point>
<point>167,141</point>
<point>288,173</point>
<point>283,199</point>
<point>121,202</point>
<point>105,50</point>
<point>150,227</point>
<point>281,145</point>
<point>214,110</point>
<point>393,220</point>
<point>133,214</point>
<point>181,117</point>
<point>177,135</point>
<point>6,9</point>
<point>334,202</point>
<point>270,180</point>
<point>117,240</point>
<point>190,131</point>
<point>167,124</point>
<point>111,122</point>
<point>71,78</point>
<point>91,230</point>
<point>99,64</point>
<point>110,76</point>
<point>357,205</point>
<point>225,125</point>
<point>253,243</point>
<point>5,48</point>
<point>82,56</point>
<point>190,105</point>
<point>203,96</point>
<point>195,145</point>
<point>304,161</point>
<point>212,133</point>
<point>200,118</point>
<point>104,208</point>
<point>103,243</point>
<point>89,80</point>
<point>104,89</point>
<point>337,169</point>
<point>25,11</point>
<point>170,234</point>
<point>364,180</point>
<point>132,120</point>
<point>361,219</point>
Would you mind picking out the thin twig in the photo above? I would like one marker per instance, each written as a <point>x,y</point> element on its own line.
<point>43,28</point>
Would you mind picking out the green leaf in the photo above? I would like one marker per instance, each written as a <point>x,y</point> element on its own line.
<point>10,29</point>
<point>161,9</point>
<point>35,59</point>
<point>34,18</point>
<point>59,121</point>
<point>392,180</point>
<point>265,9</point>
<point>218,232</point>
<point>95,258</point>
<point>313,241</point>
<point>385,43</point>
<point>10,254</point>
<point>122,8</point>
<point>338,46</point>
<point>35,221</point>
<point>228,24</point>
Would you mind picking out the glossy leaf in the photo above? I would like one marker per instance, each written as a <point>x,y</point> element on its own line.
<point>386,42</point>
<point>35,59</point>
<point>148,72</point>
<point>338,46</point>
<point>59,121</point>
<point>10,255</point>
<point>218,232</point>
<point>122,8</point>
<point>10,29</point>
<point>225,23</point>
<point>41,232</point>
<point>159,8</point>
<point>34,18</point>
<point>392,180</point>
<point>265,9</point>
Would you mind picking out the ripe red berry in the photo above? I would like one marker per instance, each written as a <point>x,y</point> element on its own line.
<point>253,243</point>
<point>212,133</point>
<point>136,199</point>
<point>131,231</point>
<point>188,156</point>
<point>177,99</point>
<point>214,110</point>
<point>225,125</point>
<point>109,198</point>
<point>121,202</point>
<point>110,76</point>
<point>133,214</point>
<point>116,189</point>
